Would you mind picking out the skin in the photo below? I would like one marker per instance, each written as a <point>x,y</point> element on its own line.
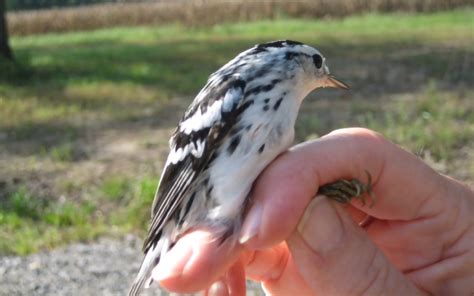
<point>419,241</point>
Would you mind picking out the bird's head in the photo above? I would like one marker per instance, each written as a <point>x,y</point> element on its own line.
<point>310,64</point>
<point>317,72</point>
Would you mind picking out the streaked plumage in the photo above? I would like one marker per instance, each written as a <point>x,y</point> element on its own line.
<point>238,123</point>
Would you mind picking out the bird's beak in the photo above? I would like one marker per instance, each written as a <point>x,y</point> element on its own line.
<point>332,81</point>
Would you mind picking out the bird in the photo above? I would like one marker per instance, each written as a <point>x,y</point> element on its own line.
<point>240,121</point>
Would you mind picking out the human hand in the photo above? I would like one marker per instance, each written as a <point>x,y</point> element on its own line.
<point>420,240</point>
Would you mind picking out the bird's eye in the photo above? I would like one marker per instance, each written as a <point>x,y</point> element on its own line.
<point>317,60</point>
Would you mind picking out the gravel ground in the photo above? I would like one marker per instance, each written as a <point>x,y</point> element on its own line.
<point>104,268</point>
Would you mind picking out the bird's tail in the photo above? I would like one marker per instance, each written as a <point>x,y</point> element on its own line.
<point>143,279</point>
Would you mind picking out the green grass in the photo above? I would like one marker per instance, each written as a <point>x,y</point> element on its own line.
<point>115,188</point>
<point>136,213</point>
<point>29,223</point>
<point>411,74</point>
<point>434,122</point>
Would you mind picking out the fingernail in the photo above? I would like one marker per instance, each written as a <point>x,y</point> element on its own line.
<point>251,224</point>
<point>321,226</point>
<point>219,288</point>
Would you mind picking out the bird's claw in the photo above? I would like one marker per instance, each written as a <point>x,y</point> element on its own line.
<point>344,190</point>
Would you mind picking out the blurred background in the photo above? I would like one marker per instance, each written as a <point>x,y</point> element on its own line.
<point>91,90</point>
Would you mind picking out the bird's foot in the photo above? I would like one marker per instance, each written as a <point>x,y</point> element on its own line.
<point>344,190</point>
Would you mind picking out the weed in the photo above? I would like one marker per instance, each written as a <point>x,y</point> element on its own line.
<point>136,215</point>
<point>116,188</point>
<point>23,204</point>
<point>63,152</point>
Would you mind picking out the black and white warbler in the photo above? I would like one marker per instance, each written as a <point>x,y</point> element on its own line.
<point>237,124</point>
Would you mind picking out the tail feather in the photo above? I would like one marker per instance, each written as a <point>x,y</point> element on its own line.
<point>138,285</point>
<point>143,279</point>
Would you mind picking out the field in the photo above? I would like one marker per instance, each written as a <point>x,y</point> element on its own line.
<point>85,117</point>
<point>196,13</point>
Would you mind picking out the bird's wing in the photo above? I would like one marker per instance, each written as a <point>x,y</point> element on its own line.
<point>198,136</point>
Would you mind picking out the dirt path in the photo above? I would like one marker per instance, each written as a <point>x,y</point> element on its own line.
<point>105,267</point>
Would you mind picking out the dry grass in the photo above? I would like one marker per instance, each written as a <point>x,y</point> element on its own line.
<point>206,12</point>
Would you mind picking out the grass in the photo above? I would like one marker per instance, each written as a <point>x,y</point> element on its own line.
<point>29,223</point>
<point>85,117</point>
<point>115,188</point>
<point>80,74</point>
<point>433,123</point>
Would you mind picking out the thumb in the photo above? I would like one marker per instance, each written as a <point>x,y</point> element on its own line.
<point>336,257</point>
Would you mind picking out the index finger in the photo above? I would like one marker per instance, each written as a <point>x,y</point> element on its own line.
<point>404,185</point>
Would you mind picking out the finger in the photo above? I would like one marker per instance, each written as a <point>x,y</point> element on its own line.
<point>335,256</point>
<point>267,264</point>
<point>196,261</point>
<point>218,288</point>
<point>275,269</point>
<point>290,282</point>
<point>236,279</point>
<point>402,182</point>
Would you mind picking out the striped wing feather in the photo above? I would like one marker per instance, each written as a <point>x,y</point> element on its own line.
<point>180,177</point>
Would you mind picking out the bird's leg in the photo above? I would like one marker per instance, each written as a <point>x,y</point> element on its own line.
<point>344,190</point>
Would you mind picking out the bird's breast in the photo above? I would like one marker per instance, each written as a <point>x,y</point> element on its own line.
<point>242,159</point>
